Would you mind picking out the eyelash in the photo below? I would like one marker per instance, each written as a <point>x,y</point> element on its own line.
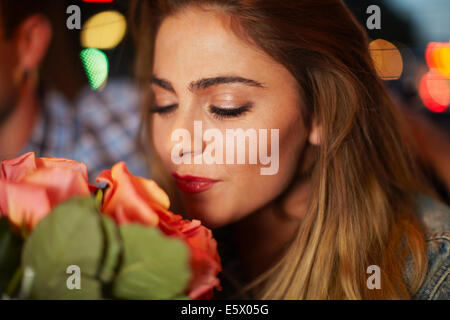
<point>218,113</point>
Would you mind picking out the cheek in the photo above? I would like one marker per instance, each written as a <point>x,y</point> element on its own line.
<point>290,144</point>
<point>265,188</point>
<point>250,190</point>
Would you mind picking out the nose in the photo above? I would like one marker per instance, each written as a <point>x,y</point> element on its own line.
<point>186,138</point>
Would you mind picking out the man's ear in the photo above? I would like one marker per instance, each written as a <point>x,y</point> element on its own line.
<point>315,133</point>
<point>32,39</point>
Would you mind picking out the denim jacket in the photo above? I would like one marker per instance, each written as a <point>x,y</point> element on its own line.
<point>436,218</point>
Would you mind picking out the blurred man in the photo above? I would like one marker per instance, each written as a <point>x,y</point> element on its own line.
<point>43,106</point>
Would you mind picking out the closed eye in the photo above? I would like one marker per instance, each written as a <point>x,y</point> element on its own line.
<point>163,109</point>
<point>221,113</point>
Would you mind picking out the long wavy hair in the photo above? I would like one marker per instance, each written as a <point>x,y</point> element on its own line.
<point>361,210</point>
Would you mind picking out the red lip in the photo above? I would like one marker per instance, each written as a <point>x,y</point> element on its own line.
<point>193,184</point>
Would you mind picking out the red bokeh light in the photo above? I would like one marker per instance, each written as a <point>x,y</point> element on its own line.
<point>434,91</point>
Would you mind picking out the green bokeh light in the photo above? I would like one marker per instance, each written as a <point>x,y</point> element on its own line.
<point>96,65</point>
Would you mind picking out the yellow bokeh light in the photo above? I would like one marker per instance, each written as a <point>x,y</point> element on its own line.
<point>437,56</point>
<point>387,59</point>
<point>443,60</point>
<point>104,30</point>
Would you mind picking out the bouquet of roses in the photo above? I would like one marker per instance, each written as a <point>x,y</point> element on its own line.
<point>62,238</point>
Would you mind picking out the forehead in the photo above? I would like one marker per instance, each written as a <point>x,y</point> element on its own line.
<point>196,43</point>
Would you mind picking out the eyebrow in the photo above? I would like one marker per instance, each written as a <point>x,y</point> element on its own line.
<point>162,83</point>
<point>207,82</point>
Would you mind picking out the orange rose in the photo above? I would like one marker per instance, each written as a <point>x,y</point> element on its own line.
<point>31,187</point>
<point>130,199</point>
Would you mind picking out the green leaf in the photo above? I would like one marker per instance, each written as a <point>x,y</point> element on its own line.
<point>70,235</point>
<point>10,250</point>
<point>154,266</point>
<point>112,249</point>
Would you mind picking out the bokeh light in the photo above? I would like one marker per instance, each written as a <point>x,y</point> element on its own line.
<point>434,90</point>
<point>437,55</point>
<point>105,30</point>
<point>96,65</point>
<point>387,59</point>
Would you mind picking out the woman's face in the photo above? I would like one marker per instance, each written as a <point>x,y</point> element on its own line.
<point>203,72</point>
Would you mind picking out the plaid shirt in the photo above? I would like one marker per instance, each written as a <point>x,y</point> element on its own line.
<point>99,130</point>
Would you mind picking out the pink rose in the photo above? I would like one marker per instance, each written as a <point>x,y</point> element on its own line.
<point>31,187</point>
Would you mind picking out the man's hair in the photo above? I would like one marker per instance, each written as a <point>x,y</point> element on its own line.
<point>61,69</point>
<point>13,13</point>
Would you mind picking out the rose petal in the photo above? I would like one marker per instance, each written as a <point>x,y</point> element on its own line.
<point>60,183</point>
<point>25,204</point>
<point>205,278</point>
<point>123,200</point>
<point>146,188</point>
<point>63,164</point>
<point>16,169</point>
<point>151,192</point>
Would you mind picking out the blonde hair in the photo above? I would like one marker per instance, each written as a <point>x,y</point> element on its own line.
<point>361,210</point>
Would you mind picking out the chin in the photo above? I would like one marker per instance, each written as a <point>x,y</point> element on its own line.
<point>210,218</point>
<point>216,218</point>
<point>212,221</point>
